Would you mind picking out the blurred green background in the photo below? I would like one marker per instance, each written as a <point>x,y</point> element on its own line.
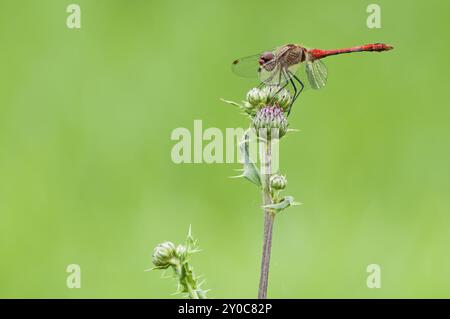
<point>85,151</point>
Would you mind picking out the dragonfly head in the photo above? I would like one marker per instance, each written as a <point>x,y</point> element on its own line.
<point>266,57</point>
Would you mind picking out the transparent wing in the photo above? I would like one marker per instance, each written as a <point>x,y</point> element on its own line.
<point>246,67</point>
<point>268,73</point>
<point>271,73</point>
<point>316,72</point>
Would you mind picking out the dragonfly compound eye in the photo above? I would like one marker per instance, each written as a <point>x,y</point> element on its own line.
<point>267,56</point>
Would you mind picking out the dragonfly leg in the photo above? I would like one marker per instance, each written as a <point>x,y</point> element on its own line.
<point>296,93</point>
<point>301,84</point>
<point>295,96</point>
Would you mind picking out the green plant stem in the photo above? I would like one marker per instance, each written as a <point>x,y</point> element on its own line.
<point>269,218</point>
<point>189,282</point>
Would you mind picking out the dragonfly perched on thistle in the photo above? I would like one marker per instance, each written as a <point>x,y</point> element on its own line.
<point>294,64</point>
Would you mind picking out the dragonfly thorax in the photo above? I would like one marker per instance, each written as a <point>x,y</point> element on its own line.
<point>293,55</point>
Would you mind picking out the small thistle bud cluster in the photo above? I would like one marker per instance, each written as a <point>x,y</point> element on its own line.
<point>166,255</point>
<point>268,96</point>
<point>270,120</point>
<point>267,108</point>
<point>278,182</point>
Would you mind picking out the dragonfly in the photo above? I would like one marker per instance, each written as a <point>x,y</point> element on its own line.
<point>292,63</point>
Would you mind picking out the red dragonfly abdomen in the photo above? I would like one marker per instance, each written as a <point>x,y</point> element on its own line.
<point>377,47</point>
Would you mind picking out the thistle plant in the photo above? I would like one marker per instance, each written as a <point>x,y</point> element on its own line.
<point>267,109</point>
<point>167,255</point>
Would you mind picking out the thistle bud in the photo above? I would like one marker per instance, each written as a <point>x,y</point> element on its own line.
<point>278,182</point>
<point>163,255</point>
<point>269,118</point>
<point>269,92</point>
<point>256,96</point>
<point>283,99</point>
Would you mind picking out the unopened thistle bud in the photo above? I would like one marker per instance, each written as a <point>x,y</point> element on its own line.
<point>256,97</point>
<point>275,96</point>
<point>269,93</point>
<point>278,182</point>
<point>178,259</point>
<point>163,255</point>
<point>283,99</point>
<point>268,119</point>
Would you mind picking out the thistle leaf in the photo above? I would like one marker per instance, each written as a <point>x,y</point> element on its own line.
<point>283,204</point>
<point>250,171</point>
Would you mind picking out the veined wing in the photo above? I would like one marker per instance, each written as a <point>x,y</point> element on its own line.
<point>246,67</point>
<point>269,73</point>
<point>316,72</point>
<point>250,67</point>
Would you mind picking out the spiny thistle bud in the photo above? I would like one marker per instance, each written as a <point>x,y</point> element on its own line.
<point>278,182</point>
<point>256,97</point>
<point>178,259</point>
<point>269,92</point>
<point>274,96</point>
<point>163,255</point>
<point>269,118</point>
<point>283,99</point>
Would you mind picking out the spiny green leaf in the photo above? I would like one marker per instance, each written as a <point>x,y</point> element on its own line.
<point>250,170</point>
<point>283,204</point>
